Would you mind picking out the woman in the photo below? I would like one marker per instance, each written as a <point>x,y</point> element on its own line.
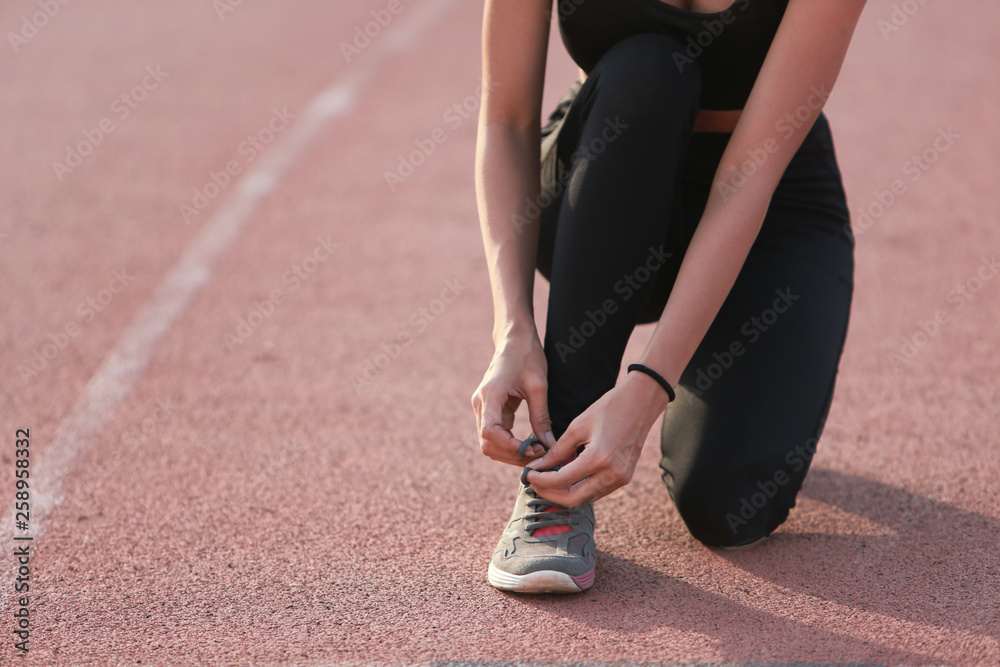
<point>690,178</point>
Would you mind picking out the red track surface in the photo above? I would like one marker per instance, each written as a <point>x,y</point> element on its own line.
<point>251,505</point>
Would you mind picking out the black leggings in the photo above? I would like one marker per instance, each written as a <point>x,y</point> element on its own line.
<point>625,181</point>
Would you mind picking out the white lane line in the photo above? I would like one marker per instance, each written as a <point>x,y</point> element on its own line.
<point>113,381</point>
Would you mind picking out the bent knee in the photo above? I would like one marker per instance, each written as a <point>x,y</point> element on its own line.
<point>650,72</point>
<point>721,515</point>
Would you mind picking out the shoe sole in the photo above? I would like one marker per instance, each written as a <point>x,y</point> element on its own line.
<point>745,547</point>
<point>543,581</point>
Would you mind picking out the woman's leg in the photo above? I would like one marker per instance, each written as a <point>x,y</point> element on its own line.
<point>622,143</point>
<point>601,246</point>
<point>752,403</point>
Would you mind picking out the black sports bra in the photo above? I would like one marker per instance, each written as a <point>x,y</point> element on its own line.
<point>729,46</point>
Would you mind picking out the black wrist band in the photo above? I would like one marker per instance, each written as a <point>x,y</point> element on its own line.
<point>656,376</point>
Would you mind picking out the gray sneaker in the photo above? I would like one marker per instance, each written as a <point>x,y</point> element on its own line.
<point>561,563</point>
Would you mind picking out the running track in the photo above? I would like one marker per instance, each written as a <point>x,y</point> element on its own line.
<point>202,501</point>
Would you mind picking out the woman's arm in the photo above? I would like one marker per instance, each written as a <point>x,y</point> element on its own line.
<point>515,43</point>
<point>798,73</point>
<point>797,76</point>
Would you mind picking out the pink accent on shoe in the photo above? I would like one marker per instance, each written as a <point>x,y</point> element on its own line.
<point>551,530</point>
<point>584,581</point>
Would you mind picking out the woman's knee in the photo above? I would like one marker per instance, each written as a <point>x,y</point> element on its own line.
<point>733,513</point>
<point>644,74</point>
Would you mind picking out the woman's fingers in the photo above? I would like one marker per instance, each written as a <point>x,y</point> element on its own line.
<point>531,448</point>
<point>559,453</point>
<point>516,373</point>
<point>498,444</point>
<point>596,472</point>
<point>608,437</point>
<point>588,490</point>
<point>536,395</point>
<point>569,474</point>
<point>495,438</point>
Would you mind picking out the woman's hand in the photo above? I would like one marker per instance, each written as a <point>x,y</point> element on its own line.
<point>613,430</point>
<point>518,372</point>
